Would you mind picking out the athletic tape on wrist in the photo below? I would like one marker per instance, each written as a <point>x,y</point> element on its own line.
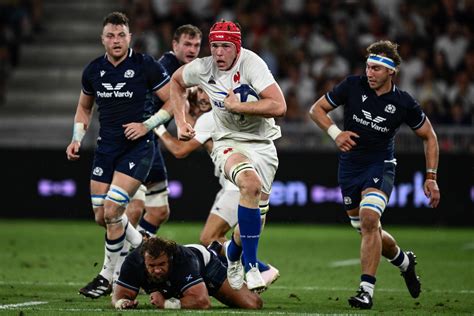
<point>333,131</point>
<point>161,117</point>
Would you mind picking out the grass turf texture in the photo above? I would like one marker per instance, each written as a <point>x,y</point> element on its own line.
<point>48,261</point>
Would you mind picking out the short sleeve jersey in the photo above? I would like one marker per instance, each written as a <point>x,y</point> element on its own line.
<point>248,69</point>
<point>186,269</point>
<point>376,119</point>
<point>121,92</point>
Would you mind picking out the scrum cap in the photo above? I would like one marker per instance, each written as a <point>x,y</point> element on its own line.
<point>226,31</point>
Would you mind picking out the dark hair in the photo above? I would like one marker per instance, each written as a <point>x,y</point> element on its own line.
<point>156,246</point>
<point>387,49</point>
<point>116,18</point>
<point>188,29</point>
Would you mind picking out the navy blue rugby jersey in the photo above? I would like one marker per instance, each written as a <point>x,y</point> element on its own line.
<point>376,119</point>
<point>121,92</point>
<point>170,63</point>
<point>186,270</point>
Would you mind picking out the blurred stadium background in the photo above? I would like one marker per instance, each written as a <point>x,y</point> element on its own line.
<point>309,45</point>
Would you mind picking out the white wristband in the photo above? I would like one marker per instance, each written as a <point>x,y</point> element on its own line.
<point>78,132</point>
<point>160,130</point>
<point>333,131</point>
<point>120,302</point>
<point>160,117</point>
<point>172,303</point>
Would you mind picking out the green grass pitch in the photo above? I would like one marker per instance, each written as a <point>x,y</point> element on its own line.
<point>44,263</point>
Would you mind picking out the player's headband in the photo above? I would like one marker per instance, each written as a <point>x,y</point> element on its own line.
<point>382,60</point>
<point>226,31</point>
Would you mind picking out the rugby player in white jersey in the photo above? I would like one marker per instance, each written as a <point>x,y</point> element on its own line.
<point>243,135</point>
<point>223,214</point>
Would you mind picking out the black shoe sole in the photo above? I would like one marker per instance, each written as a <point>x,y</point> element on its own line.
<point>358,304</point>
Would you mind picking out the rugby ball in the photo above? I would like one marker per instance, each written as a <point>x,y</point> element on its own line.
<point>246,93</point>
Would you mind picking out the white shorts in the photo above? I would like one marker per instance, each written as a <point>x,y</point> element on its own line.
<point>225,205</point>
<point>262,155</point>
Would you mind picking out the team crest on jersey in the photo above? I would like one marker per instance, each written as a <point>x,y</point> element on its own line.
<point>237,77</point>
<point>347,200</point>
<point>390,108</point>
<point>102,73</point>
<point>98,171</point>
<point>129,73</point>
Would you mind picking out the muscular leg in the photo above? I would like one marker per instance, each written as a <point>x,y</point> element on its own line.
<point>371,245</point>
<point>242,298</point>
<point>215,228</point>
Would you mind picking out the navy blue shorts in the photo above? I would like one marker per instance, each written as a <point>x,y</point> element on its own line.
<point>158,171</point>
<point>133,158</point>
<point>379,175</point>
<point>215,274</point>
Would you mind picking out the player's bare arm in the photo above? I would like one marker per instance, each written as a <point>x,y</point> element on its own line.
<point>271,104</point>
<point>81,123</point>
<point>180,149</point>
<point>319,114</point>
<point>178,100</point>
<point>430,142</point>
<point>124,298</point>
<point>136,130</point>
<point>196,297</point>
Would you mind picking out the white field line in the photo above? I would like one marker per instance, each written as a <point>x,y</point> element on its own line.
<point>11,306</point>
<point>193,312</point>
<point>344,263</point>
<point>273,287</point>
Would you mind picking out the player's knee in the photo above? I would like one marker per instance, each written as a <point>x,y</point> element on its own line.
<point>251,187</point>
<point>250,184</point>
<point>116,195</point>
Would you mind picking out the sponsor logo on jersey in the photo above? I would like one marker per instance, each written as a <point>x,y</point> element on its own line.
<point>377,119</point>
<point>390,108</point>
<point>189,278</point>
<point>375,180</point>
<point>98,171</point>
<point>364,97</point>
<point>102,73</point>
<point>371,122</point>
<point>129,73</point>
<point>218,104</point>
<point>131,165</point>
<point>211,80</point>
<point>115,91</point>
<point>227,150</point>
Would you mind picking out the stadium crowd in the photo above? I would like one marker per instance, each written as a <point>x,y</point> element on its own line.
<point>309,45</point>
<point>20,20</point>
<point>312,44</point>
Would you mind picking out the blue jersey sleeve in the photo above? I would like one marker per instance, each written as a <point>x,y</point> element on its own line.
<point>415,115</point>
<point>86,83</point>
<point>156,75</point>
<point>130,274</point>
<point>339,94</point>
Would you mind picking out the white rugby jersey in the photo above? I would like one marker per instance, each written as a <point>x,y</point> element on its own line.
<point>249,69</point>
<point>203,128</point>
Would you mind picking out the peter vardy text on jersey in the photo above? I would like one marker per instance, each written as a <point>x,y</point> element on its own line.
<point>116,94</point>
<point>372,124</point>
